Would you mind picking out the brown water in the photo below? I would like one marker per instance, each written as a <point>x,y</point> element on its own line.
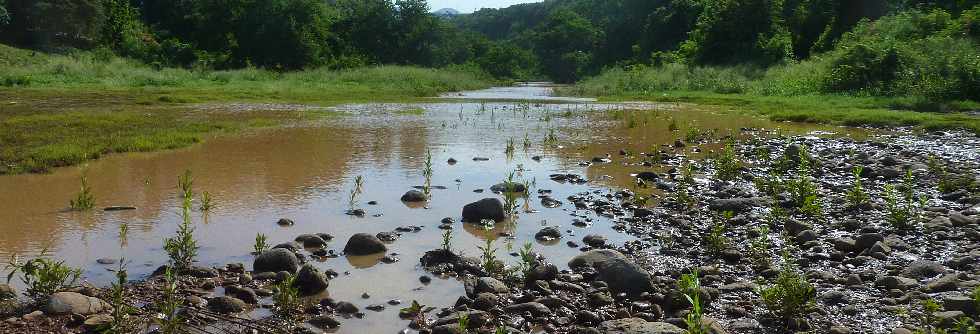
<point>305,172</point>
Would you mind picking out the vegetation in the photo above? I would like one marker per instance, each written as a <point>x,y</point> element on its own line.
<point>488,259</point>
<point>690,286</point>
<point>727,165</point>
<point>206,204</point>
<point>261,243</point>
<point>121,322</point>
<point>790,296</point>
<point>182,248</point>
<point>716,242</point>
<point>286,298</point>
<point>905,208</point>
<point>84,200</point>
<point>447,241</point>
<point>170,320</point>
<point>42,276</point>
<point>857,197</point>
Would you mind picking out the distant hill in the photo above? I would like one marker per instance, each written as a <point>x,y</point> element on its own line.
<point>446,12</point>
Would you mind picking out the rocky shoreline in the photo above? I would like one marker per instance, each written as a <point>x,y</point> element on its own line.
<point>749,217</point>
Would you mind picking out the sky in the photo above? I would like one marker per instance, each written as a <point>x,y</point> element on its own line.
<point>469,6</point>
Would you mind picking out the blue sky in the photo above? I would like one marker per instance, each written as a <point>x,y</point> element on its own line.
<point>468,6</point>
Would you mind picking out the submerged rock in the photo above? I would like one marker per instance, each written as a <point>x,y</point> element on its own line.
<point>276,260</point>
<point>487,208</point>
<point>310,281</point>
<point>364,244</point>
<point>414,196</point>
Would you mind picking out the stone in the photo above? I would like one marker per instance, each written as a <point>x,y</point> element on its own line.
<point>310,281</point>
<point>960,303</point>
<point>276,260</point>
<point>414,196</point>
<point>548,234</point>
<point>536,309</point>
<point>542,272</point>
<point>491,285</point>
<point>613,268</point>
<point>285,222</point>
<point>638,326</point>
<point>364,244</point>
<point>324,322</point>
<point>896,282</point>
<point>311,241</point>
<point>960,220</point>
<point>923,269</point>
<point>508,187</point>
<point>245,294</point>
<point>76,303</point>
<point>346,307</point>
<point>7,292</point>
<point>487,208</point>
<point>97,321</point>
<point>226,305</point>
<point>594,240</point>
<point>867,240</point>
<point>943,284</point>
<point>737,205</point>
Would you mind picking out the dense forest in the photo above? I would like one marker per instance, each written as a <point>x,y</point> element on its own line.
<point>877,47</point>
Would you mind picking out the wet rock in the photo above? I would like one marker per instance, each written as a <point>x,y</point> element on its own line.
<point>959,220</point>
<point>226,305</point>
<point>105,261</point>
<point>286,222</point>
<point>324,322</point>
<point>291,246</point>
<point>387,236</point>
<point>536,309</point>
<point>491,285</point>
<point>96,322</point>
<point>943,284</point>
<point>896,282</point>
<point>737,205</point>
<point>309,281</point>
<point>364,244</point>
<point>476,319</point>
<point>647,176</point>
<point>311,241</point>
<point>508,187</point>
<point>276,260</point>
<point>548,234</point>
<point>7,292</point>
<point>200,272</point>
<point>594,240</point>
<point>550,203</point>
<point>962,303</point>
<point>347,307</point>
<point>613,268</point>
<point>245,294</point>
<point>376,307</point>
<point>923,269</point>
<point>638,326</point>
<point>74,303</point>
<point>543,272</point>
<point>487,208</point>
<point>414,196</point>
<point>867,240</point>
<point>485,301</point>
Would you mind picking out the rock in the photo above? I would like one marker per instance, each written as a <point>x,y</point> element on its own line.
<point>95,322</point>
<point>844,245</point>
<point>896,282</point>
<point>200,272</point>
<point>594,240</point>
<point>959,220</point>
<point>7,292</point>
<point>276,260</point>
<point>476,319</point>
<point>508,187</point>
<point>805,236</point>
<point>638,326</point>
<point>364,244</point>
<point>548,234</point>
<point>247,295</point>
<point>105,260</point>
<point>923,269</point>
<point>960,303</point>
<point>867,240</point>
<point>491,285</point>
<point>74,303</point>
<point>542,272</point>
<point>550,203</point>
<point>485,301</point>
<point>647,176</point>
<point>324,322</point>
<point>794,226</point>
<point>487,208</point>
<point>414,196</point>
<point>311,241</point>
<point>310,281</point>
<point>226,305</point>
<point>536,309</point>
<point>612,267</point>
<point>737,205</point>
<point>286,222</point>
<point>346,307</point>
<point>943,284</point>
<point>948,319</point>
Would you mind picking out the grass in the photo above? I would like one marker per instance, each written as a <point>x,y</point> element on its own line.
<point>745,92</point>
<point>61,110</point>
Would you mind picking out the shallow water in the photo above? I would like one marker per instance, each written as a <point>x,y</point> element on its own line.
<point>305,172</point>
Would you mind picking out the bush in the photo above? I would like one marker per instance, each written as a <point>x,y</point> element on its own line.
<point>43,276</point>
<point>790,296</point>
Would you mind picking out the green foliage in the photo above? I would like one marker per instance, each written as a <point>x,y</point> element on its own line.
<point>121,323</point>
<point>488,259</point>
<point>716,242</point>
<point>428,172</point>
<point>905,207</point>
<point>463,321</point>
<point>738,31</point>
<point>206,204</point>
<point>170,320</point>
<point>758,249</point>
<point>856,197</point>
<point>447,240</point>
<point>527,258</point>
<point>42,276</point>
<point>690,286</point>
<point>790,296</point>
<point>182,248</point>
<point>727,166</point>
<point>261,244</point>
<point>802,190</point>
<point>185,183</point>
<point>84,200</point>
<point>286,299</point>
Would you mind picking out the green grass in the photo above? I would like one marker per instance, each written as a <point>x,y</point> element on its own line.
<point>62,110</point>
<point>746,90</point>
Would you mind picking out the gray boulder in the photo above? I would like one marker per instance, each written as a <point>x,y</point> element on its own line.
<point>638,326</point>
<point>612,267</point>
<point>74,303</point>
<point>364,244</point>
<point>414,196</point>
<point>276,260</point>
<point>487,208</point>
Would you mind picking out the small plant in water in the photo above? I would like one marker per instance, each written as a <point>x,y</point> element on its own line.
<point>690,286</point>
<point>528,259</point>
<point>551,139</point>
<point>185,183</point>
<point>527,142</point>
<point>84,200</point>
<point>42,276</point>
<point>856,197</point>
<point>182,248</point>
<point>261,244</point>
<point>206,204</point>
<point>791,296</point>
<point>488,259</point>
<point>905,209</point>
<point>355,192</point>
<point>169,320</point>
<point>727,165</point>
<point>463,321</point>
<point>447,241</point>
<point>286,298</point>
<point>510,147</point>
<point>120,310</point>
<point>673,125</point>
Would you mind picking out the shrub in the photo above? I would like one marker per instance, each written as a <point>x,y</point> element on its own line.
<point>727,165</point>
<point>170,320</point>
<point>261,243</point>
<point>790,296</point>
<point>286,298</point>
<point>856,197</point>
<point>84,200</point>
<point>690,286</point>
<point>182,248</point>
<point>905,208</point>
<point>43,276</point>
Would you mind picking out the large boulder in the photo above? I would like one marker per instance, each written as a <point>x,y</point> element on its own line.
<point>310,281</point>
<point>638,326</point>
<point>487,208</point>
<point>364,244</point>
<point>74,303</point>
<point>612,267</point>
<point>414,196</point>
<point>276,260</point>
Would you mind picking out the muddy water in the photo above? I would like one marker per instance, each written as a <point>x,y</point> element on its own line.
<point>305,172</point>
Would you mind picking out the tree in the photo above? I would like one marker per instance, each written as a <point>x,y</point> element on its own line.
<point>564,44</point>
<point>4,15</point>
<point>53,23</point>
<point>739,31</point>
